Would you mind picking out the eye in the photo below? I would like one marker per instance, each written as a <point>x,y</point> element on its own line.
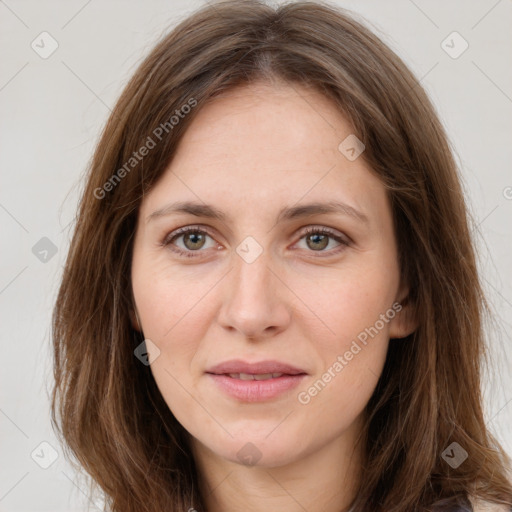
<point>317,239</point>
<point>193,240</point>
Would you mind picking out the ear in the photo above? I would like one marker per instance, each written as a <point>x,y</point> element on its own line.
<point>135,320</point>
<point>404,321</point>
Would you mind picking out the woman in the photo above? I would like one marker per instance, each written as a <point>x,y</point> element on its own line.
<point>271,300</point>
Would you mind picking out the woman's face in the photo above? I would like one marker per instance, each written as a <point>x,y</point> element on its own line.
<point>270,320</point>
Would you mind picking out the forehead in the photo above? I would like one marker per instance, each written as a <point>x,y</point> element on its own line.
<point>264,146</point>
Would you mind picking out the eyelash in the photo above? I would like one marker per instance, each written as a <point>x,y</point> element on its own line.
<point>167,241</point>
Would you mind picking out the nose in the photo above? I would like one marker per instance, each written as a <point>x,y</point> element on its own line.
<point>255,299</point>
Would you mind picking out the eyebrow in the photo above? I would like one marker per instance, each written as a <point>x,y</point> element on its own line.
<point>294,212</point>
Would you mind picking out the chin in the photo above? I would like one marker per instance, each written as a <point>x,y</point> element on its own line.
<point>259,451</point>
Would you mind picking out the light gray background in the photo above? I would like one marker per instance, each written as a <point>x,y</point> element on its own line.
<point>53,109</point>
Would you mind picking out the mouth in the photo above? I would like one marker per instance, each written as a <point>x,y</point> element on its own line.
<point>257,376</point>
<point>255,382</point>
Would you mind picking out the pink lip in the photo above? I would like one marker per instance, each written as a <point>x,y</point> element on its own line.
<point>255,390</point>
<point>239,366</point>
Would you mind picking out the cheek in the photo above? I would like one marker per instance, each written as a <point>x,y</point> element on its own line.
<point>171,304</point>
<point>351,303</point>
<point>350,368</point>
<point>357,310</point>
<point>173,318</point>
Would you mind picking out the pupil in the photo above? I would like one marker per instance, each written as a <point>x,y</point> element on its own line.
<point>316,238</point>
<point>195,239</point>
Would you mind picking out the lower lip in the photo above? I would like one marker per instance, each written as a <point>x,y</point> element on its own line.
<point>256,390</point>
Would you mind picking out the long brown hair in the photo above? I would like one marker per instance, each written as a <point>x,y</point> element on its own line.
<point>105,404</point>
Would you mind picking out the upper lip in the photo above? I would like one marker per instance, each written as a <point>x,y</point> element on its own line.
<point>256,368</point>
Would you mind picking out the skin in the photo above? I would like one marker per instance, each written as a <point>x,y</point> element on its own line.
<point>251,152</point>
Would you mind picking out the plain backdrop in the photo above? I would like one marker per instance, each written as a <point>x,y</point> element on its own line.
<point>52,111</point>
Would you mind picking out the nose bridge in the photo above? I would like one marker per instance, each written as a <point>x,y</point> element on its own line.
<point>253,304</point>
<point>252,273</point>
